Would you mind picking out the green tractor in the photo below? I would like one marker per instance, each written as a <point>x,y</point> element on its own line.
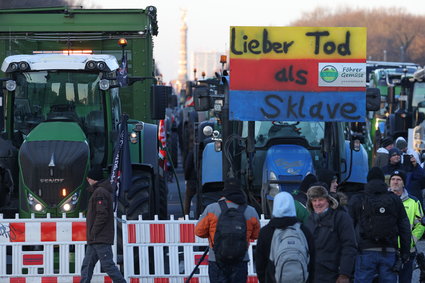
<point>62,116</point>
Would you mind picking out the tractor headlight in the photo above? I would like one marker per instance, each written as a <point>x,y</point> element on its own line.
<point>133,137</point>
<point>274,189</point>
<point>10,85</point>
<point>104,84</point>
<point>70,203</point>
<point>207,131</point>
<point>35,204</point>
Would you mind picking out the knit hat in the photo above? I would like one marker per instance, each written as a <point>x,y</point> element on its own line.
<point>320,192</point>
<point>386,142</point>
<point>375,173</point>
<point>95,173</point>
<point>401,174</point>
<point>283,205</point>
<point>400,143</point>
<point>326,176</point>
<point>394,151</point>
<point>233,191</point>
<point>306,183</point>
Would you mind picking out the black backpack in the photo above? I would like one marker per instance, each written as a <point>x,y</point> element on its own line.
<point>230,244</point>
<point>378,220</point>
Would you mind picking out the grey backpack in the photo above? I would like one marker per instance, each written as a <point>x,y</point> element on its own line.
<point>290,255</point>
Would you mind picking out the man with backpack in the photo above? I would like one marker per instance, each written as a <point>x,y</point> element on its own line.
<point>229,225</point>
<point>379,219</point>
<point>285,249</point>
<point>415,214</point>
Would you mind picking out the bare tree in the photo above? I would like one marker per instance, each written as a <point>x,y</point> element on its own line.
<point>393,34</point>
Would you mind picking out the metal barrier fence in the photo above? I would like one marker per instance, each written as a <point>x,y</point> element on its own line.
<point>48,250</point>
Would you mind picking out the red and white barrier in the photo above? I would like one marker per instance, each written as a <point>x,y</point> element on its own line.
<point>51,250</point>
<point>43,250</point>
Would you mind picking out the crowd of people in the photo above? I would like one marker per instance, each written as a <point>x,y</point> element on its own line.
<point>318,234</point>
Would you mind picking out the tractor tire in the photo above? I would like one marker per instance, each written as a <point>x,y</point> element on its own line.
<point>139,198</point>
<point>5,193</point>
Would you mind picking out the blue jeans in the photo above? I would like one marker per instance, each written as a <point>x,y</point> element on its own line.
<point>102,252</point>
<point>224,273</point>
<point>370,263</point>
<point>405,275</point>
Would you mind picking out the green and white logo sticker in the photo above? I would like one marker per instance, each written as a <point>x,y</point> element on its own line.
<point>329,73</point>
<point>342,74</point>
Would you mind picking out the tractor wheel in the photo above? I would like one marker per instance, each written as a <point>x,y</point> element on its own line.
<point>4,188</point>
<point>137,200</point>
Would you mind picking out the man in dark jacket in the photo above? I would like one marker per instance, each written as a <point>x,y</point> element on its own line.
<point>334,239</point>
<point>100,228</point>
<point>283,215</point>
<point>378,255</point>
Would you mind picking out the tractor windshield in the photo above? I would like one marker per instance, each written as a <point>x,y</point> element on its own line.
<point>64,96</point>
<point>57,95</point>
<point>418,100</point>
<point>311,132</point>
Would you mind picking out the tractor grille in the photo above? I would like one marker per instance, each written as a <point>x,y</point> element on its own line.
<point>69,159</point>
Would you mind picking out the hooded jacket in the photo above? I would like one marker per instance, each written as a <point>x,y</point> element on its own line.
<point>284,215</point>
<point>377,186</point>
<point>334,239</point>
<point>206,225</point>
<point>100,214</point>
<point>381,158</point>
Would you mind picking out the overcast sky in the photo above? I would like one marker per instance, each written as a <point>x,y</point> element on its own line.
<point>209,21</point>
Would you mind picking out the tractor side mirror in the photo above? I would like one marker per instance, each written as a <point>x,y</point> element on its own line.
<point>373,99</point>
<point>159,101</point>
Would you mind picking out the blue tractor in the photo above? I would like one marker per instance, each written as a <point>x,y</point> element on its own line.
<point>273,156</point>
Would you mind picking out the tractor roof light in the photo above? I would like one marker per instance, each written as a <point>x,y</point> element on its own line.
<point>12,67</point>
<point>122,42</point>
<point>24,66</point>
<point>91,65</point>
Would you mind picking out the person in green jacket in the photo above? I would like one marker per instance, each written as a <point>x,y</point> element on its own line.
<point>415,213</point>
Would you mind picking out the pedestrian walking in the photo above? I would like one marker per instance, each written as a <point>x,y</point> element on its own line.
<point>100,228</point>
<point>334,239</point>
<point>284,219</point>
<point>229,224</point>
<point>379,220</point>
<point>415,213</point>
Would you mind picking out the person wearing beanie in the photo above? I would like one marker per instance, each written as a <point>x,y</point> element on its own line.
<point>328,177</point>
<point>415,213</point>
<point>414,172</point>
<point>375,173</point>
<point>381,158</point>
<point>334,237</point>
<point>283,216</point>
<point>100,228</point>
<point>406,153</point>
<point>376,255</point>
<point>233,196</point>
